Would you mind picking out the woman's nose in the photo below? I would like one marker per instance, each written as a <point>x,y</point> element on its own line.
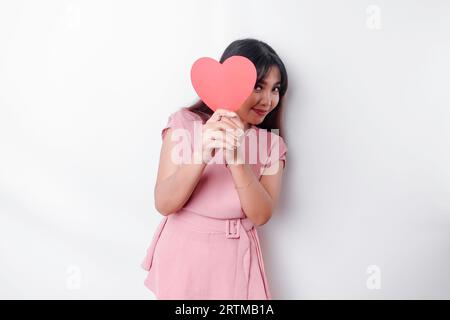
<point>265,99</point>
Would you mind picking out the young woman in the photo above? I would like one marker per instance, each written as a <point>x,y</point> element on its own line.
<point>207,246</point>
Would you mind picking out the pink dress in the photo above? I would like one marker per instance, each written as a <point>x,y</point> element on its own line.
<point>209,249</point>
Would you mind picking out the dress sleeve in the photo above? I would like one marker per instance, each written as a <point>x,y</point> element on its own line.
<point>282,151</point>
<point>278,151</point>
<point>177,119</point>
<point>188,133</point>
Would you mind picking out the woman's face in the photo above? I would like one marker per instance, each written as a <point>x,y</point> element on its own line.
<point>264,98</point>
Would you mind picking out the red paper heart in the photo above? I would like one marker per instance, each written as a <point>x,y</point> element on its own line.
<point>226,85</point>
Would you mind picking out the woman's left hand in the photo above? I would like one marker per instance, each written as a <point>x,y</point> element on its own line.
<point>233,155</point>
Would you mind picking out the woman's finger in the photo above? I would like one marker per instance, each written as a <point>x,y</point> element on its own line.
<point>224,126</point>
<point>220,113</point>
<point>223,137</point>
<point>236,121</point>
<point>228,138</point>
<point>237,131</point>
<point>221,144</point>
<point>236,124</point>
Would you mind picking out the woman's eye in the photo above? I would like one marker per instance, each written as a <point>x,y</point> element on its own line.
<point>276,89</point>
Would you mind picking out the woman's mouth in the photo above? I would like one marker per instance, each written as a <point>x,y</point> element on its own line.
<point>260,113</point>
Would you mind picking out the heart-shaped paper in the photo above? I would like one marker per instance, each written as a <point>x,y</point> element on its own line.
<point>226,85</point>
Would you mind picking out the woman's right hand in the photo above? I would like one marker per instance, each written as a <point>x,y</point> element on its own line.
<point>218,134</point>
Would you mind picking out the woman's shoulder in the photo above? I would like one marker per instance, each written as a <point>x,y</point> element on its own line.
<point>276,147</point>
<point>182,118</point>
<point>272,135</point>
<point>185,114</point>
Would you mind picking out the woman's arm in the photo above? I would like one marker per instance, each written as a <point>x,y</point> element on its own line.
<point>175,182</point>
<point>258,197</point>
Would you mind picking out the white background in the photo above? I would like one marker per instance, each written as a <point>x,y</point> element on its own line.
<point>87,86</point>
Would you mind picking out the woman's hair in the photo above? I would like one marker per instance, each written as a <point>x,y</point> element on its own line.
<point>263,57</point>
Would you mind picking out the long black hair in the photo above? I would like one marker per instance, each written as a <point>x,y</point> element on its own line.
<point>263,57</point>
